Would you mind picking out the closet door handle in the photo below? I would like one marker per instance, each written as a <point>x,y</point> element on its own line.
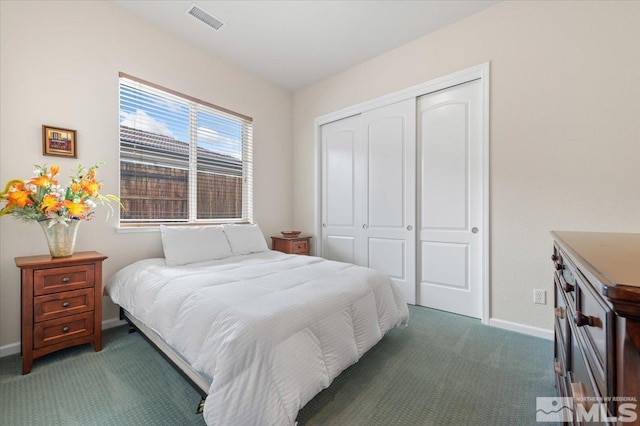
<point>365,226</point>
<point>324,225</point>
<point>409,228</point>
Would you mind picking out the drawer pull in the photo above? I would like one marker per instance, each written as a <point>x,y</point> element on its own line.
<point>581,320</point>
<point>554,257</point>
<point>65,305</point>
<point>559,312</point>
<point>568,288</point>
<point>559,266</point>
<point>65,329</point>
<point>557,366</point>
<point>66,279</point>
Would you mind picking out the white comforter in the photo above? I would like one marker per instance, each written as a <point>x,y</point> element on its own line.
<point>271,329</point>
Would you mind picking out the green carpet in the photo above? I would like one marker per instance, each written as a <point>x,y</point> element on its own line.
<point>441,369</point>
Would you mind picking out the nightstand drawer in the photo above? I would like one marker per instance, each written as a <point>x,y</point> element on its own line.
<point>297,245</point>
<point>300,247</point>
<point>54,280</point>
<point>63,304</point>
<point>62,329</point>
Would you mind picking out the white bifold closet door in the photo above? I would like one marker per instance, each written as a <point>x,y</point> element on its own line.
<point>450,199</point>
<point>368,192</point>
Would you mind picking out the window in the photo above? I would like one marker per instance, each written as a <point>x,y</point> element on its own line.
<point>182,160</point>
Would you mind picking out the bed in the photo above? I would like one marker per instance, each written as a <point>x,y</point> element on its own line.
<point>260,332</point>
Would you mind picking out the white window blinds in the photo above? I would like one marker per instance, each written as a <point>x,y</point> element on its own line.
<point>181,159</point>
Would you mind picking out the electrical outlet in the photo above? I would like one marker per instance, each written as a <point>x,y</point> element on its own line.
<point>540,296</point>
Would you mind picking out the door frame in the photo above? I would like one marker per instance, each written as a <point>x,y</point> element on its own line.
<point>478,72</point>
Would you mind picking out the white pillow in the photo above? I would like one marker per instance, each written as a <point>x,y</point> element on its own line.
<point>188,244</point>
<point>245,239</point>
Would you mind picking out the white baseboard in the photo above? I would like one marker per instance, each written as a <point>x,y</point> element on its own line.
<point>10,349</point>
<point>14,348</point>
<point>521,328</point>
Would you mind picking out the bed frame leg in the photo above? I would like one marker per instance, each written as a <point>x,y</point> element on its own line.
<point>200,408</point>
<point>132,330</point>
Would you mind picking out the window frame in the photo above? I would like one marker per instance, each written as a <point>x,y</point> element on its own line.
<point>194,105</point>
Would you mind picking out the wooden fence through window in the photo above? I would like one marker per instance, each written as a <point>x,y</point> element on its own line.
<point>151,192</point>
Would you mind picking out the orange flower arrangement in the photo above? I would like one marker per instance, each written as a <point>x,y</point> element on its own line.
<point>42,198</point>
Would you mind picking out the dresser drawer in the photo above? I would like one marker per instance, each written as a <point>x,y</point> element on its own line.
<point>580,384</point>
<point>57,305</point>
<point>584,389</point>
<point>53,280</point>
<point>566,276</point>
<point>62,329</point>
<point>298,247</point>
<point>562,330</point>
<point>559,376</point>
<point>593,322</point>
<point>562,313</point>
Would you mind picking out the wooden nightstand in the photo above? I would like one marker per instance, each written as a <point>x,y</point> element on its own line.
<point>61,303</point>
<point>293,245</point>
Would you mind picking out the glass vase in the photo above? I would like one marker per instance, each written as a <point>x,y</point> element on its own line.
<point>61,237</point>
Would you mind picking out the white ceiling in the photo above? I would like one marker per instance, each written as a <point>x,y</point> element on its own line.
<point>296,43</point>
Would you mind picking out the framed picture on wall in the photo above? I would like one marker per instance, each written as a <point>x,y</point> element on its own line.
<point>58,142</point>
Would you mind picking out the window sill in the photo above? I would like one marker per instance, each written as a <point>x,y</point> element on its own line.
<point>127,229</point>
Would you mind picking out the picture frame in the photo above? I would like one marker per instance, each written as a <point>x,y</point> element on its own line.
<point>59,142</point>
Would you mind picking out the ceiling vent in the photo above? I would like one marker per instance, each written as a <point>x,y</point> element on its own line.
<point>204,16</point>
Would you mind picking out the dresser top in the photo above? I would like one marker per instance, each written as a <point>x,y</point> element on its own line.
<point>615,257</point>
<point>40,260</point>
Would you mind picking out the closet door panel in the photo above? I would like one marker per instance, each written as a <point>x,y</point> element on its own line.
<point>387,240</point>
<point>340,161</point>
<point>445,264</point>
<point>444,166</point>
<point>341,213</point>
<point>386,173</point>
<point>450,186</point>
<point>340,248</point>
<point>388,256</point>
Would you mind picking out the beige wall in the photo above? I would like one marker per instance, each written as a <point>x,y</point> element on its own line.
<point>59,65</point>
<point>565,120</point>
<point>565,132</point>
